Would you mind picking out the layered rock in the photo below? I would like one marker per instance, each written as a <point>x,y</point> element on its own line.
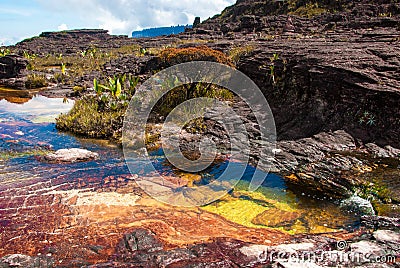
<point>12,71</point>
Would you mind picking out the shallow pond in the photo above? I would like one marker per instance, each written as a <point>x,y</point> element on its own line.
<point>27,131</point>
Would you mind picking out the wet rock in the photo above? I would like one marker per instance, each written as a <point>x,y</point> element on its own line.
<point>142,249</point>
<point>379,222</point>
<point>358,205</point>
<point>71,155</point>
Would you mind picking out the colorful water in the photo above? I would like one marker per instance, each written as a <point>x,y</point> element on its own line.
<point>27,131</point>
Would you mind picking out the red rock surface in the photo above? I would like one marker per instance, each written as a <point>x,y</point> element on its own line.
<point>86,219</point>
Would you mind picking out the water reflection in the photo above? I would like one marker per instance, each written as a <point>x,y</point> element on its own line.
<point>37,109</point>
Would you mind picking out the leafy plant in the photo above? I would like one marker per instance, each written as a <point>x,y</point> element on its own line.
<point>63,69</point>
<point>273,59</point>
<point>367,118</point>
<point>4,51</point>
<point>29,56</point>
<point>116,92</point>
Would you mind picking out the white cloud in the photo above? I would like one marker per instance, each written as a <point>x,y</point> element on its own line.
<point>123,16</point>
<point>62,27</point>
<point>6,41</point>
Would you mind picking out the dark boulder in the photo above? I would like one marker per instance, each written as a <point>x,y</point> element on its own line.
<point>12,66</point>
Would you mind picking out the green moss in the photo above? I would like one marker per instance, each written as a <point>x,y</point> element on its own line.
<point>309,10</point>
<point>4,156</point>
<point>374,192</point>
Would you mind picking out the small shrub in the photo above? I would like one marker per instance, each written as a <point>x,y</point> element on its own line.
<point>236,53</point>
<point>87,119</point>
<point>4,51</point>
<point>36,81</point>
<point>367,119</point>
<point>196,90</point>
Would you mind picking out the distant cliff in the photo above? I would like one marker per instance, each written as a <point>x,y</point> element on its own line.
<point>154,32</point>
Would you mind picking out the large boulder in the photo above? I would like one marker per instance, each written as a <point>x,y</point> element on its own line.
<point>12,66</point>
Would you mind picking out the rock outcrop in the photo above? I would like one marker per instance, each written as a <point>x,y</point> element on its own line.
<point>12,71</point>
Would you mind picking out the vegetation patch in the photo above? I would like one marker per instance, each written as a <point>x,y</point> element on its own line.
<point>238,52</point>
<point>309,10</point>
<point>88,119</point>
<point>173,56</point>
<point>36,81</point>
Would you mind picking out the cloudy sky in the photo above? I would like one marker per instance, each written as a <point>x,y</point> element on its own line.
<point>20,19</point>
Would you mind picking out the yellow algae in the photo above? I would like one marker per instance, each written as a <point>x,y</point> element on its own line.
<point>238,211</point>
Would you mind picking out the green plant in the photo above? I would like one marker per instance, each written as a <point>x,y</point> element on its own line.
<point>273,59</point>
<point>4,51</point>
<point>116,92</point>
<point>238,52</point>
<point>309,10</point>
<point>78,89</point>
<point>29,56</point>
<point>180,94</point>
<point>36,81</point>
<point>63,69</point>
<point>88,119</point>
<point>367,118</point>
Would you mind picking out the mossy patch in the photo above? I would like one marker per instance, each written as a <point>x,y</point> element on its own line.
<point>36,81</point>
<point>87,119</point>
<point>5,156</point>
<point>309,10</point>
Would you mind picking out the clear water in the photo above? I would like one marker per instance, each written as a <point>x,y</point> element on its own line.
<point>27,130</point>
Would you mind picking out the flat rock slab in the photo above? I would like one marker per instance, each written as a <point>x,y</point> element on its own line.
<point>71,155</point>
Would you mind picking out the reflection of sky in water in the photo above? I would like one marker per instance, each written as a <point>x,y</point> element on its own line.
<point>38,109</point>
<point>23,130</point>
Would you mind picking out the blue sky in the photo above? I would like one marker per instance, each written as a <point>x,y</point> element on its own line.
<point>20,19</point>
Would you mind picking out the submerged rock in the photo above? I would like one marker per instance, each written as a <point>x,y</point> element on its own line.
<point>276,218</point>
<point>71,155</point>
